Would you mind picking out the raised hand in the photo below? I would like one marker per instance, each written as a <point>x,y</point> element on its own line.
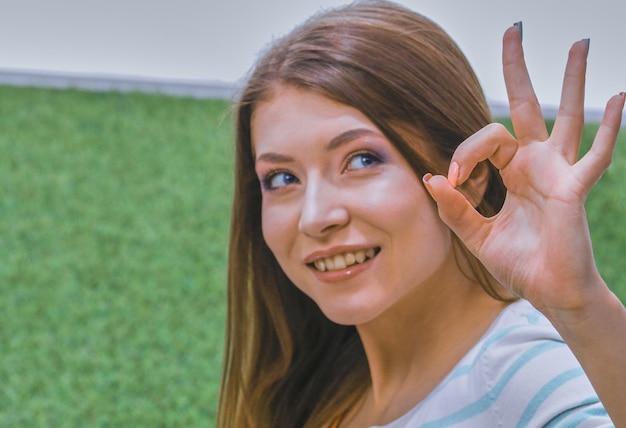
<point>539,244</point>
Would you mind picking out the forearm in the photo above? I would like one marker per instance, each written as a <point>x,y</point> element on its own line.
<point>597,336</point>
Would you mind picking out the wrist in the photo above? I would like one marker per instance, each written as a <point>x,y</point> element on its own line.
<point>582,322</point>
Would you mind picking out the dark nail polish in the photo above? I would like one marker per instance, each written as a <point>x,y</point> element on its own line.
<point>519,25</point>
<point>588,41</point>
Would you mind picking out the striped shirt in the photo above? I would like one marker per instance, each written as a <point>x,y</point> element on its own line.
<point>519,374</point>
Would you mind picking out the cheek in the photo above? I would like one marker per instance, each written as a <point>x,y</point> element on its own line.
<point>415,221</point>
<point>402,200</point>
<point>280,232</point>
<point>276,226</point>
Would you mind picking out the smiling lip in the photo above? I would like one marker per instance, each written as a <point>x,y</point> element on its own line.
<point>340,264</point>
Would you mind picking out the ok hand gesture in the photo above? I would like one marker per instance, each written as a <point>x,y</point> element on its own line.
<point>539,245</point>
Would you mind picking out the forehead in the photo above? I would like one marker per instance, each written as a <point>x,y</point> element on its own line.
<point>292,115</point>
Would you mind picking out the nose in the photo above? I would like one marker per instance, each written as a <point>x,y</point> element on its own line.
<point>323,210</point>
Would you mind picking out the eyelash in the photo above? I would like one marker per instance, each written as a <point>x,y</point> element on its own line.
<point>377,159</point>
<point>266,181</point>
<point>267,178</point>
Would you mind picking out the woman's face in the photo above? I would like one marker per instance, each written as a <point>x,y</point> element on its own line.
<point>344,214</point>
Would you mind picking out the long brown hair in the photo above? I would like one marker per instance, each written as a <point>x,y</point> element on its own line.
<point>286,364</point>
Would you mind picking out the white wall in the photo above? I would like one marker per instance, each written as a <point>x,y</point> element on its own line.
<point>217,40</point>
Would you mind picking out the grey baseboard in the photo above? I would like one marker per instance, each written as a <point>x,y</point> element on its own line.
<point>103,83</point>
<point>184,88</point>
<point>592,115</point>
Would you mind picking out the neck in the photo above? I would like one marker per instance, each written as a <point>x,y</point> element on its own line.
<point>414,345</point>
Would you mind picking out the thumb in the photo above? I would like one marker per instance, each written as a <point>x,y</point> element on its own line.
<point>457,212</point>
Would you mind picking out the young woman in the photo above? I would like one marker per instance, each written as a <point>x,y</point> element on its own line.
<point>365,291</point>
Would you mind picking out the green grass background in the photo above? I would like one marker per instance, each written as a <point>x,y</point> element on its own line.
<point>114,216</point>
<point>114,213</point>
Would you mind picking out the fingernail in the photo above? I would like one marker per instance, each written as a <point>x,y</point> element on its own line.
<point>426,178</point>
<point>519,25</point>
<point>588,41</point>
<point>453,174</point>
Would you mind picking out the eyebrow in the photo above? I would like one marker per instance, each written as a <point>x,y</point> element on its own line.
<point>274,158</point>
<point>336,142</point>
<point>348,136</point>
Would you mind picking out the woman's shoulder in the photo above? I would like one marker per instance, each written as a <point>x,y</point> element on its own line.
<point>520,373</point>
<point>518,328</point>
<point>524,371</point>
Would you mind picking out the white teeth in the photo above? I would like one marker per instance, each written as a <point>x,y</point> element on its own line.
<point>342,261</point>
<point>339,262</point>
<point>350,258</point>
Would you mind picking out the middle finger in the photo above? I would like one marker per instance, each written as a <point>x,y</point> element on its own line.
<point>526,115</point>
<point>568,127</point>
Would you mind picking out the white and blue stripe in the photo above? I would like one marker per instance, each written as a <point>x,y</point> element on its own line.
<point>520,374</point>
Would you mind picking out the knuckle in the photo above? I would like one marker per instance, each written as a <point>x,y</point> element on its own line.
<point>498,129</point>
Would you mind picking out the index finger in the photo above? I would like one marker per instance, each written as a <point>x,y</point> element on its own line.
<point>526,115</point>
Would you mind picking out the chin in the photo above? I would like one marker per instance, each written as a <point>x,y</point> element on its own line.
<point>348,316</point>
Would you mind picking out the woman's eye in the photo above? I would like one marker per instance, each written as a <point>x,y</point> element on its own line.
<point>362,160</point>
<point>279,179</point>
